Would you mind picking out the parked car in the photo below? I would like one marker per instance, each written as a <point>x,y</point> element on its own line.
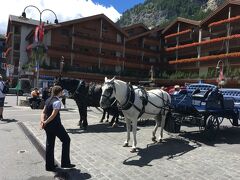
<point>22,87</point>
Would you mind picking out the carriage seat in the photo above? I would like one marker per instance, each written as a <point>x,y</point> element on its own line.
<point>202,96</point>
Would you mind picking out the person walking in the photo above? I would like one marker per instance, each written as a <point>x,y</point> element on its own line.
<point>2,97</point>
<point>51,123</point>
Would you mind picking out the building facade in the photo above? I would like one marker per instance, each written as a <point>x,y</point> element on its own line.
<point>2,55</point>
<point>197,49</point>
<point>94,47</point>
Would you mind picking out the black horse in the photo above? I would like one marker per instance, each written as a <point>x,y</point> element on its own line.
<point>85,95</point>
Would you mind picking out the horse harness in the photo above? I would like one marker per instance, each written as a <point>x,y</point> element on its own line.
<point>144,97</point>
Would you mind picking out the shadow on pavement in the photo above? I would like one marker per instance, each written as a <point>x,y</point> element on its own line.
<point>9,120</point>
<point>171,148</point>
<point>71,174</point>
<point>98,128</point>
<point>225,135</point>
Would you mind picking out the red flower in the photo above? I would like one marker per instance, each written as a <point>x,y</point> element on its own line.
<point>236,18</point>
<point>206,58</point>
<point>235,36</point>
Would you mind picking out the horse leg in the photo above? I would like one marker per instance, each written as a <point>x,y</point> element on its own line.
<point>116,116</point>
<point>107,116</point>
<point>83,117</point>
<point>134,131</point>
<point>80,120</point>
<point>103,116</point>
<point>155,129</point>
<point>162,127</point>
<point>128,124</point>
<point>112,121</point>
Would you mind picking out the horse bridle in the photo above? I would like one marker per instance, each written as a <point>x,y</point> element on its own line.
<point>108,98</point>
<point>130,97</point>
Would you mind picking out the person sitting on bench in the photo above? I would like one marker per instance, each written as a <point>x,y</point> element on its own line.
<point>35,100</point>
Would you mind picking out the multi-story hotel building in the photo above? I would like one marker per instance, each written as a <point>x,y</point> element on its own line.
<point>94,47</point>
<point>2,55</point>
<point>195,48</point>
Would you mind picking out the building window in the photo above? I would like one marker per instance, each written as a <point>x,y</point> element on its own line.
<point>17,46</point>
<point>119,38</point>
<point>17,30</point>
<point>64,32</point>
<point>130,32</point>
<point>105,28</point>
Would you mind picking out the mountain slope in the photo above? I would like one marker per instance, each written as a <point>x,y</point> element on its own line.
<point>158,12</point>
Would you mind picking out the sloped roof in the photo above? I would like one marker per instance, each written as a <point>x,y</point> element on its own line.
<point>184,20</point>
<point>135,26</point>
<point>146,33</point>
<point>84,19</point>
<point>21,19</point>
<point>219,9</point>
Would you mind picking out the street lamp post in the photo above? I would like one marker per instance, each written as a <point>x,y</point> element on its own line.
<point>220,78</point>
<point>61,65</point>
<point>39,34</point>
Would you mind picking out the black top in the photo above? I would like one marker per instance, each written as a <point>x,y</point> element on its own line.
<point>49,109</point>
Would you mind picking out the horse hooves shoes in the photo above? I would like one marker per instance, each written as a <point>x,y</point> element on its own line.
<point>68,166</point>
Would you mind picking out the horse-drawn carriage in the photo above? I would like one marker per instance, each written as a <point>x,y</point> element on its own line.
<point>204,105</point>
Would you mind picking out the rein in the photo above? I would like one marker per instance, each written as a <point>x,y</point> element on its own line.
<point>76,91</point>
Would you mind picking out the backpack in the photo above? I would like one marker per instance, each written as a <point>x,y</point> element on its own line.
<point>5,88</point>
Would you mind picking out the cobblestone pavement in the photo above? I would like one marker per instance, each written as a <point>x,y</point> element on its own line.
<point>99,154</point>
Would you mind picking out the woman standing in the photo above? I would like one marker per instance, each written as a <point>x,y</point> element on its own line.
<point>51,123</point>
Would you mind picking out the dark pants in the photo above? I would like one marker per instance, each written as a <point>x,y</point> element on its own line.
<point>61,133</point>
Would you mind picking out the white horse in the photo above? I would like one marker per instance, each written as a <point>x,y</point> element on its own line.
<point>137,103</point>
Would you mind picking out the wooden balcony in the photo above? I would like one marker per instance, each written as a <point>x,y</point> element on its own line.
<point>57,53</point>
<point>87,42</point>
<point>112,46</point>
<point>151,41</point>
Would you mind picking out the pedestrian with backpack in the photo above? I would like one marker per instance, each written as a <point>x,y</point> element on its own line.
<point>3,91</point>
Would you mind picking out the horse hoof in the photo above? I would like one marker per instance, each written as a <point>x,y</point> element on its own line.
<point>133,150</point>
<point>106,121</point>
<point>125,145</point>
<point>115,125</point>
<point>154,139</point>
<point>160,141</point>
<point>101,121</point>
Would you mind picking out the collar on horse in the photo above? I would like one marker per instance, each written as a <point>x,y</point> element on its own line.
<point>131,97</point>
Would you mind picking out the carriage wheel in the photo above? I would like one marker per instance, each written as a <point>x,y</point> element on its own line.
<point>212,126</point>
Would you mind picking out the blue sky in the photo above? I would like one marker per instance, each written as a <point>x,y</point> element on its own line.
<point>65,9</point>
<point>119,5</point>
